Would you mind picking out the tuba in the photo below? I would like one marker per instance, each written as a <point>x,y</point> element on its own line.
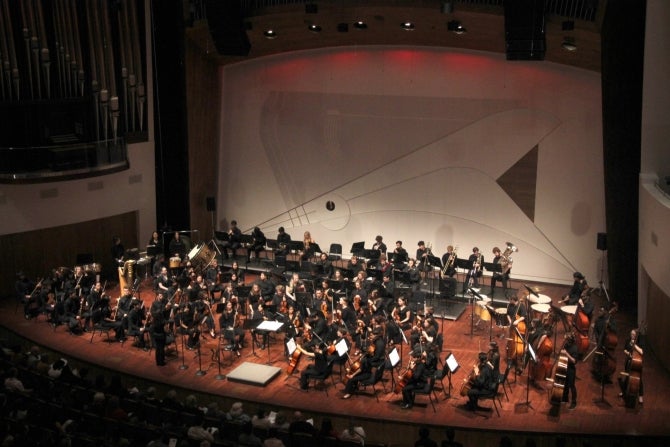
<point>127,274</point>
<point>506,257</point>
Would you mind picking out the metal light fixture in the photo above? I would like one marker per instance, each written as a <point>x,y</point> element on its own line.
<point>407,26</point>
<point>360,25</point>
<point>456,27</point>
<point>314,28</point>
<point>270,34</point>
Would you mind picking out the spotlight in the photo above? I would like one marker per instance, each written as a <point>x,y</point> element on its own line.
<point>360,25</point>
<point>407,26</point>
<point>270,34</point>
<point>314,28</point>
<point>568,45</point>
<point>456,27</point>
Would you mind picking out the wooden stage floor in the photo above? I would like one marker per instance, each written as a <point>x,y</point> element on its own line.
<point>592,418</point>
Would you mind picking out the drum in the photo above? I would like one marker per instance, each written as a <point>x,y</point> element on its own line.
<point>540,299</point>
<point>539,310</point>
<point>501,317</point>
<point>201,257</point>
<point>175,262</point>
<point>482,312</point>
<point>569,310</point>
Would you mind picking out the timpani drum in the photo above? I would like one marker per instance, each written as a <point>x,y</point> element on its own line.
<point>540,299</point>
<point>480,309</point>
<point>570,309</point>
<point>540,310</point>
<point>501,317</point>
<point>175,262</point>
<point>200,257</point>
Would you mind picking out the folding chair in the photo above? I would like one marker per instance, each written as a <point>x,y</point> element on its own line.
<point>493,395</point>
<point>429,391</point>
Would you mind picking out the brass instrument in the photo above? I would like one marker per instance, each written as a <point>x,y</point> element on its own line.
<point>506,257</point>
<point>450,262</point>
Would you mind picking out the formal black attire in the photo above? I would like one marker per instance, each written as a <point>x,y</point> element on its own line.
<point>418,381</point>
<point>483,384</point>
<point>257,244</point>
<point>473,273</point>
<point>283,243</point>
<point>629,348</point>
<point>232,333</point>
<point>177,247</point>
<point>159,338</point>
<point>571,373</point>
<point>451,270</point>
<point>319,368</point>
<point>364,373</point>
<point>503,277</point>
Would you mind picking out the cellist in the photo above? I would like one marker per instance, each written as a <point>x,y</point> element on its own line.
<point>319,368</point>
<point>631,348</point>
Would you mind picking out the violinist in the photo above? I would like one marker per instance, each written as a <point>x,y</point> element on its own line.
<point>203,313</point>
<point>294,322</point>
<point>317,327</point>
<point>483,383</point>
<point>103,315</point>
<point>163,282</point>
<point>631,348</point>
<point>238,274</point>
<point>418,378</point>
<point>423,331</point>
<point>331,352</point>
<point>571,351</point>
<point>230,328</point>
<point>320,368</point>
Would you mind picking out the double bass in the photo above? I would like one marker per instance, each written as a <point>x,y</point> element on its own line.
<point>634,370</point>
<point>604,364</point>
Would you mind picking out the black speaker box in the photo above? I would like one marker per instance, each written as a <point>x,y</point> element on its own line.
<point>211,204</point>
<point>602,241</point>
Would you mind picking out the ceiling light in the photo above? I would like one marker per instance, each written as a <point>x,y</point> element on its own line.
<point>314,28</point>
<point>407,26</point>
<point>456,27</point>
<point>270,34</point>
<point>569,46</point>
<point>360,25</point>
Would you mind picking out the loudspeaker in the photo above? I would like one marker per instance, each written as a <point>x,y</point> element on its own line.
<point>227,27</point>
<point>602,241</point>
<point>211,204</point>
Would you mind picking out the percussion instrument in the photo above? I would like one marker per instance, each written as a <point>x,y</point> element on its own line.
<point>539,299</point>
<point>539,310</point>
<point>94,267</point>
<point>201,256</point>
<point>175,262</point>
<point>501,317</point>
<point>570,309</point>
<point>481,310</point>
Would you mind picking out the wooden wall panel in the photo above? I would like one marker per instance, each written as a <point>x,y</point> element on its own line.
<point>658,331</point>
<point>37,252</point>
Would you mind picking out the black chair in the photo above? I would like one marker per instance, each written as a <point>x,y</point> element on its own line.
<point>429,391</point>
<point>493,396</point>
<point>321,379</point>
<point>503,378</point>
<point>440,375</point>
<point>371,382</point>
<point>101,329</point>
<point>335,252</point>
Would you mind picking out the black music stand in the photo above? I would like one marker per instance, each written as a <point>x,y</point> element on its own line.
<point>464,265</point>
<point>357,248</point>
<point>250,325</point>
<point>183,364</point>
<point>452,366</point>
<point>527,349</point>
<point>473,296</point>
<point>295,246</point>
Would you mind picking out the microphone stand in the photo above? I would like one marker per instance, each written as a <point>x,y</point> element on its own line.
<point>183,365</point>
<point>527,349</point>
<point>199,372</point>
<point>219,376</point>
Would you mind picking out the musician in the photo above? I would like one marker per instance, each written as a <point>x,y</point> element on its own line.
<point>360,291</point>
<point>449,261</point>
<point>326,265</point>
<point>579,282</point>
<point>423,332</point>
<point>331,352</point>
<point>266,285</point>
<point>188,326</point>
<point>472,278</point>
<point>257,243</point>
<point>163,282</point>
<point>348,315</point>
<point>159,337</point>
<point>357,375</point>
<point>400,255</point>
<point>418,379</point>
<point>283,241</point>
<point>234,240</point>
<point>90,304</point>
<point>318,327</point>
<point>355,265</point>
<point>379,245</point>
<point>117,251</point>
<point>493,357</point>
<point>319,368</point>
<point>158,265</point>
<point>499,276</point>
<point>603,322</point>
<point>422,254</point>
<point>402,317</point>
<point>230,328</point>
<point>123,306</point>
<point>156,241</point>
<point>310,245</point>
<point>483,383</point>
<point>630,348</point>
<point>136,327</point>
<point>585,302</point>
<point>279,300</point>
<point>102,314</point>
<point>571,351</point>
<point>71,315</point>
<point>202,311</point>
<point>34,301</point>
<point>177,246</point>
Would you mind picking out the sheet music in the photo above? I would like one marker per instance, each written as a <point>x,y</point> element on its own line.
<point>341,347</point>
<point>394,357</point>
<point>452,363</point>
<point>291,346</point>
<point>268,325</point>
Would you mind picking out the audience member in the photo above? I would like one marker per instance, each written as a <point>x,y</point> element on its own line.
<point>353,434</point>
<point>247,438</point>
<point>237,414</point>
<point>300,424</point>
<point>449,442</point>
<point>424,439</point>
<point>272,440</point>
<point>198,432</point>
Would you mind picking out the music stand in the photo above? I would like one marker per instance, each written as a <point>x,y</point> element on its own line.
<point>394,360</point>
<point>250,325</point>
<point>357,248</point>
<point>269,326</point>
<point>296,246</point>
<point>473,295</point>
<point>530,350</point>
<point>463,265</point>
<point>452,365</point>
